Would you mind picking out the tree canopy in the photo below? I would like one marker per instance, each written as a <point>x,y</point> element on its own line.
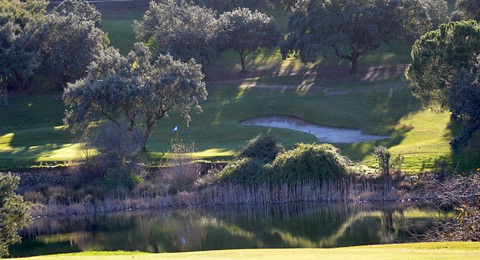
<point>21,12</point>
<point>139,89</point>
<point>437,58</point>
<point>465,106</point>
<point>68,44</point>
<point>249,31</point>
<point>352,28</point>
<point>444,73</point>
<point>182,30</point>
<point>13,213</point>
<point>228,5</point>
<point>467,10</point>
<point>81,8</point>
<point>18,56</point>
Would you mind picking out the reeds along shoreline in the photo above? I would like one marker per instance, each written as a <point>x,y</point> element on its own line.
<point>345,190</point>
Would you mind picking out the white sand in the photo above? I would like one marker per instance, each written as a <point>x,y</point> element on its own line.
<point>323,133</point>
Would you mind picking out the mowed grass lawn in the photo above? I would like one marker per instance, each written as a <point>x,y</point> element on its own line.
<point>32,131</point>
<point>451,250</point>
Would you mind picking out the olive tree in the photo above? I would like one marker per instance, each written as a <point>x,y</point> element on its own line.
<point>68,44</point>
<point>81,8</point>
<point>13,213</point>
<point>228,5</point>
<point>249,31</point>
<point>21,12</point>
<point>352,28</point>
<point>182,30</point>
<point>467,10</point>
<point>437,58</point>
<point>140,89</point>
<point>18,56</point>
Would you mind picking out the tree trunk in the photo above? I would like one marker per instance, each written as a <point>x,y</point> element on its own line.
<point>354,68</point>
<point>242,60</point>
<point>5,91</point>
<point>148,130</point>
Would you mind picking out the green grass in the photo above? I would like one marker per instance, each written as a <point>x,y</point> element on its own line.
<point>32,131</point>
<point>449,250</point>
<point>119,26</point>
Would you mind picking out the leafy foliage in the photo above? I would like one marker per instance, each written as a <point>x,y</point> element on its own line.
<point>263,147</point>
<point>352,28</point>
<point>13,213</point>
<point>465,107</point>
<point>139,90</point>
<point>18,56</point>
<point>228,5</point>
<point>437,58</point>
<point>68,44</point>
<point>21,12</point>
<point>182,30</point>
<point>117,162</point>
<point>249,31</point>
<point>386,161</point>
<point>81,8</point>
<point>467,10</point>
<point>246,171</point>
<point>309,162</point>
<point>383,156</point>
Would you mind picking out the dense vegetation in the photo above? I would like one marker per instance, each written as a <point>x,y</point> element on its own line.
<point>264,160</point>
<point>13,213</point>
<point>115,101</point>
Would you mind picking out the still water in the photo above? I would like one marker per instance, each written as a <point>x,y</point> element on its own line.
<point>286,225</point>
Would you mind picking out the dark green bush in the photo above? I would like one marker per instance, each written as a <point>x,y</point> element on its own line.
<point>244,171</point>
<point>263,147</point>
<point>13,212</point>
<point>308,162</point>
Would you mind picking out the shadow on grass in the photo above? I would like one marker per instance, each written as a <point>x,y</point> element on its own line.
<point>468,157</point>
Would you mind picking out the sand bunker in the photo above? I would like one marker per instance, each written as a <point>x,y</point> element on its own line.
<point>323,133</point>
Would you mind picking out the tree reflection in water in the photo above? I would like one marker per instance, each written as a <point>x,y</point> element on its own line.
<point>286,225</point>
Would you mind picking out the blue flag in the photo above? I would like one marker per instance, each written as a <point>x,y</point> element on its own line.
<point>175,129</point>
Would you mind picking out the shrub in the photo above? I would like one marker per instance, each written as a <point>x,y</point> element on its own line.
<point>183,172</point>
<point>387,161</point>
<point>383,156</point>
<point>245,171</point>
<point>263,147</point>
<point>13,212</point>
<point>308,162</point>
<point>116,164</point>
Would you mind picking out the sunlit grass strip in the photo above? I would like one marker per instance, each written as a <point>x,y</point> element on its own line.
<point>449,250</point>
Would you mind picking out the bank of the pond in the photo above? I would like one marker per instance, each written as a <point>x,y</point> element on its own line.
<point>49,193</point>
<point>448,250</point>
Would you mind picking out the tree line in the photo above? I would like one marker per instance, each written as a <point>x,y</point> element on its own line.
<point>68,45</point>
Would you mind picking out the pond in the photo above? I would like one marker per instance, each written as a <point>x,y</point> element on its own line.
<point>276,226</point>
<point>322,133</point>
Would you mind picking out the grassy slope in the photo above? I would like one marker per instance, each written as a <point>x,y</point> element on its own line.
<point>387,109</point>
<point>31,130</point>
<point>459,250</point>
